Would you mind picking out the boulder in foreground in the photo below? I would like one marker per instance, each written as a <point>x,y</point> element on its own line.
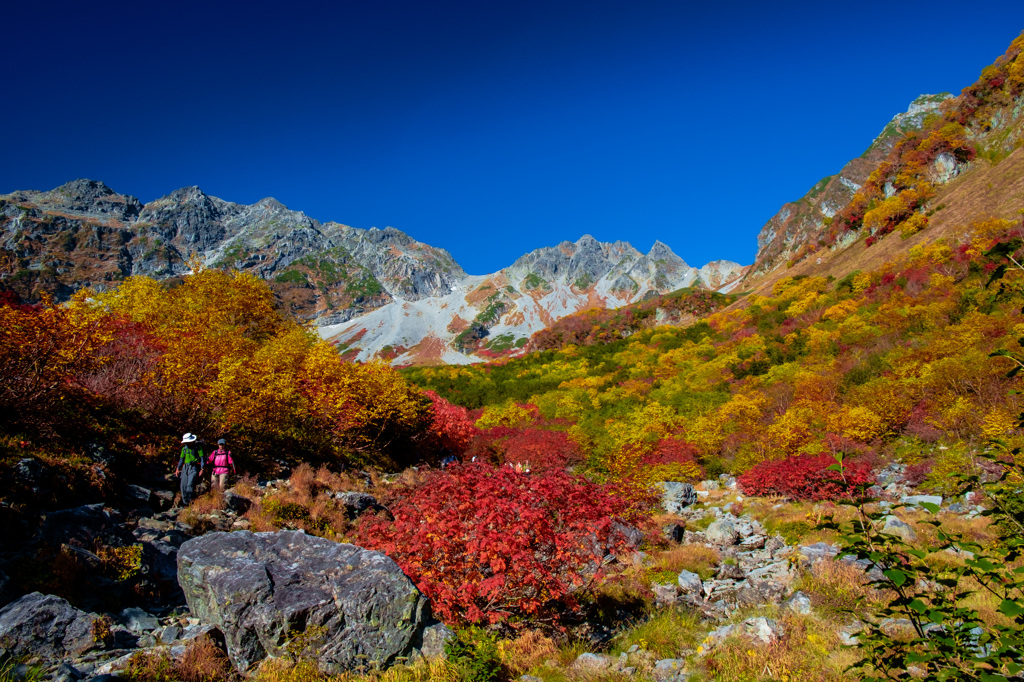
<point>273,594</point>
<point>46,626</point>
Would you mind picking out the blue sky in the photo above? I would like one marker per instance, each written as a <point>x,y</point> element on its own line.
<point>487,128</point>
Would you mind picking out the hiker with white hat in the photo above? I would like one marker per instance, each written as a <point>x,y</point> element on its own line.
<point>190,467</point>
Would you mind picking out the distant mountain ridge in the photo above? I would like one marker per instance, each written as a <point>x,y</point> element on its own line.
<point>494,314</point>
<point>84,234</point>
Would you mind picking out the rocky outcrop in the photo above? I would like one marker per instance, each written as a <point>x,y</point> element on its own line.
<point>46,626</point>
<point>265,592</point>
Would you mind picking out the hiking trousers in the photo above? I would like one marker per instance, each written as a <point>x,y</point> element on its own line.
<point>189,480</point>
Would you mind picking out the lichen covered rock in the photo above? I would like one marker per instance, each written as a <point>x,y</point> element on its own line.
<point>271,593</point>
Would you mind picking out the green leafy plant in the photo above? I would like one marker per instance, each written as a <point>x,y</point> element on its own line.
<point>475,656</point>
<point>944,633</point>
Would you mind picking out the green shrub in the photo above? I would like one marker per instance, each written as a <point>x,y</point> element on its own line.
<point>474,655</point>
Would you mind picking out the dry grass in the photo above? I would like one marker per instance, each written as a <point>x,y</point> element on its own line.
<point>695,558</point>
<point>280,670</point>
<point>209,502</point>
<point>809,652</point>
<point>531,649</point>
<point>203,661</point>
<point>838,586</point>
<point>306,503</point>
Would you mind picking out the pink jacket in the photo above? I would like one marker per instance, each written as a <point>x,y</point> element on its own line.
<point>221,461</point>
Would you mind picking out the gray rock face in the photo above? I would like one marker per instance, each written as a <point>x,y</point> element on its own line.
<point>722,532</point>
<point>690,583</point>
<point>350,606</point>
<point>893,526</point>
<point>676,496</point>
<point>45,626</point>
<point>356,503</point>
<point>918,500</point>
<point>85,234</point>
<point>760,630</point>
<point>799,222</point>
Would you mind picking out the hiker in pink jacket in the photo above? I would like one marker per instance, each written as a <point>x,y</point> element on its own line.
<point>220,460</point>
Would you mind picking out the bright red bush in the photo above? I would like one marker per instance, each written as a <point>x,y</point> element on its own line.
<point>485,543</point>
<point>805,477</point>
<point>451,425</point>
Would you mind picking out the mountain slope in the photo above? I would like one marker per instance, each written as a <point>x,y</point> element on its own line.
<point>798,222</point>
<point>957,163</point>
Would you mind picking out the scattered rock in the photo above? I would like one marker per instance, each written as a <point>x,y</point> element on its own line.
<point>138,621</point>
<point>798,603</point>
<point>136,497</point>
<point>665,594</point>
<point>592,662</point>
<point>674,532</point>
<point>356,504</point>
<point>352,606</point>
<point>818,551</point>
<point>432,640</point>
<point>780,573</point>
<point>894,526</point>
<point>690,583</point>
<point>670,670</point>
<point>722,532</point>
<point>761,630</point>
<point>239,504</point>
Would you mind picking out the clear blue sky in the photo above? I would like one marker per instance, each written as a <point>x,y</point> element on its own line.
<point>489,128</point>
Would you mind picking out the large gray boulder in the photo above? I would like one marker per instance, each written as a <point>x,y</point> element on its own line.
<point>46,626</point>
<point>273,593</point>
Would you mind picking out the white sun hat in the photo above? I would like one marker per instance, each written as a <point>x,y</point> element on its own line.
<point>188,438</point>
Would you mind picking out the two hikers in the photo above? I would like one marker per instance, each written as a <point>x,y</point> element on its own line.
<point>190,467</point>
<point>220,460</point>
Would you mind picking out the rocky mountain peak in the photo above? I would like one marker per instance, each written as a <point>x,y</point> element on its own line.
<point>662,252</point>
<point>88,198</point>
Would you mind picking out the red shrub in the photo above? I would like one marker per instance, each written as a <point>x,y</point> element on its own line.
<point>805,477</point>
<point>451,426</point>
<point>541,449</point>
<point>485,543</point>
<point>915,474</point>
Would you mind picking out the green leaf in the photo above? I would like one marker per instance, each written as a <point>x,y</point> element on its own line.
<point>918,606</point>
<point>897,576</point>
<point>931,506</point>
<point>1011,608</point>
